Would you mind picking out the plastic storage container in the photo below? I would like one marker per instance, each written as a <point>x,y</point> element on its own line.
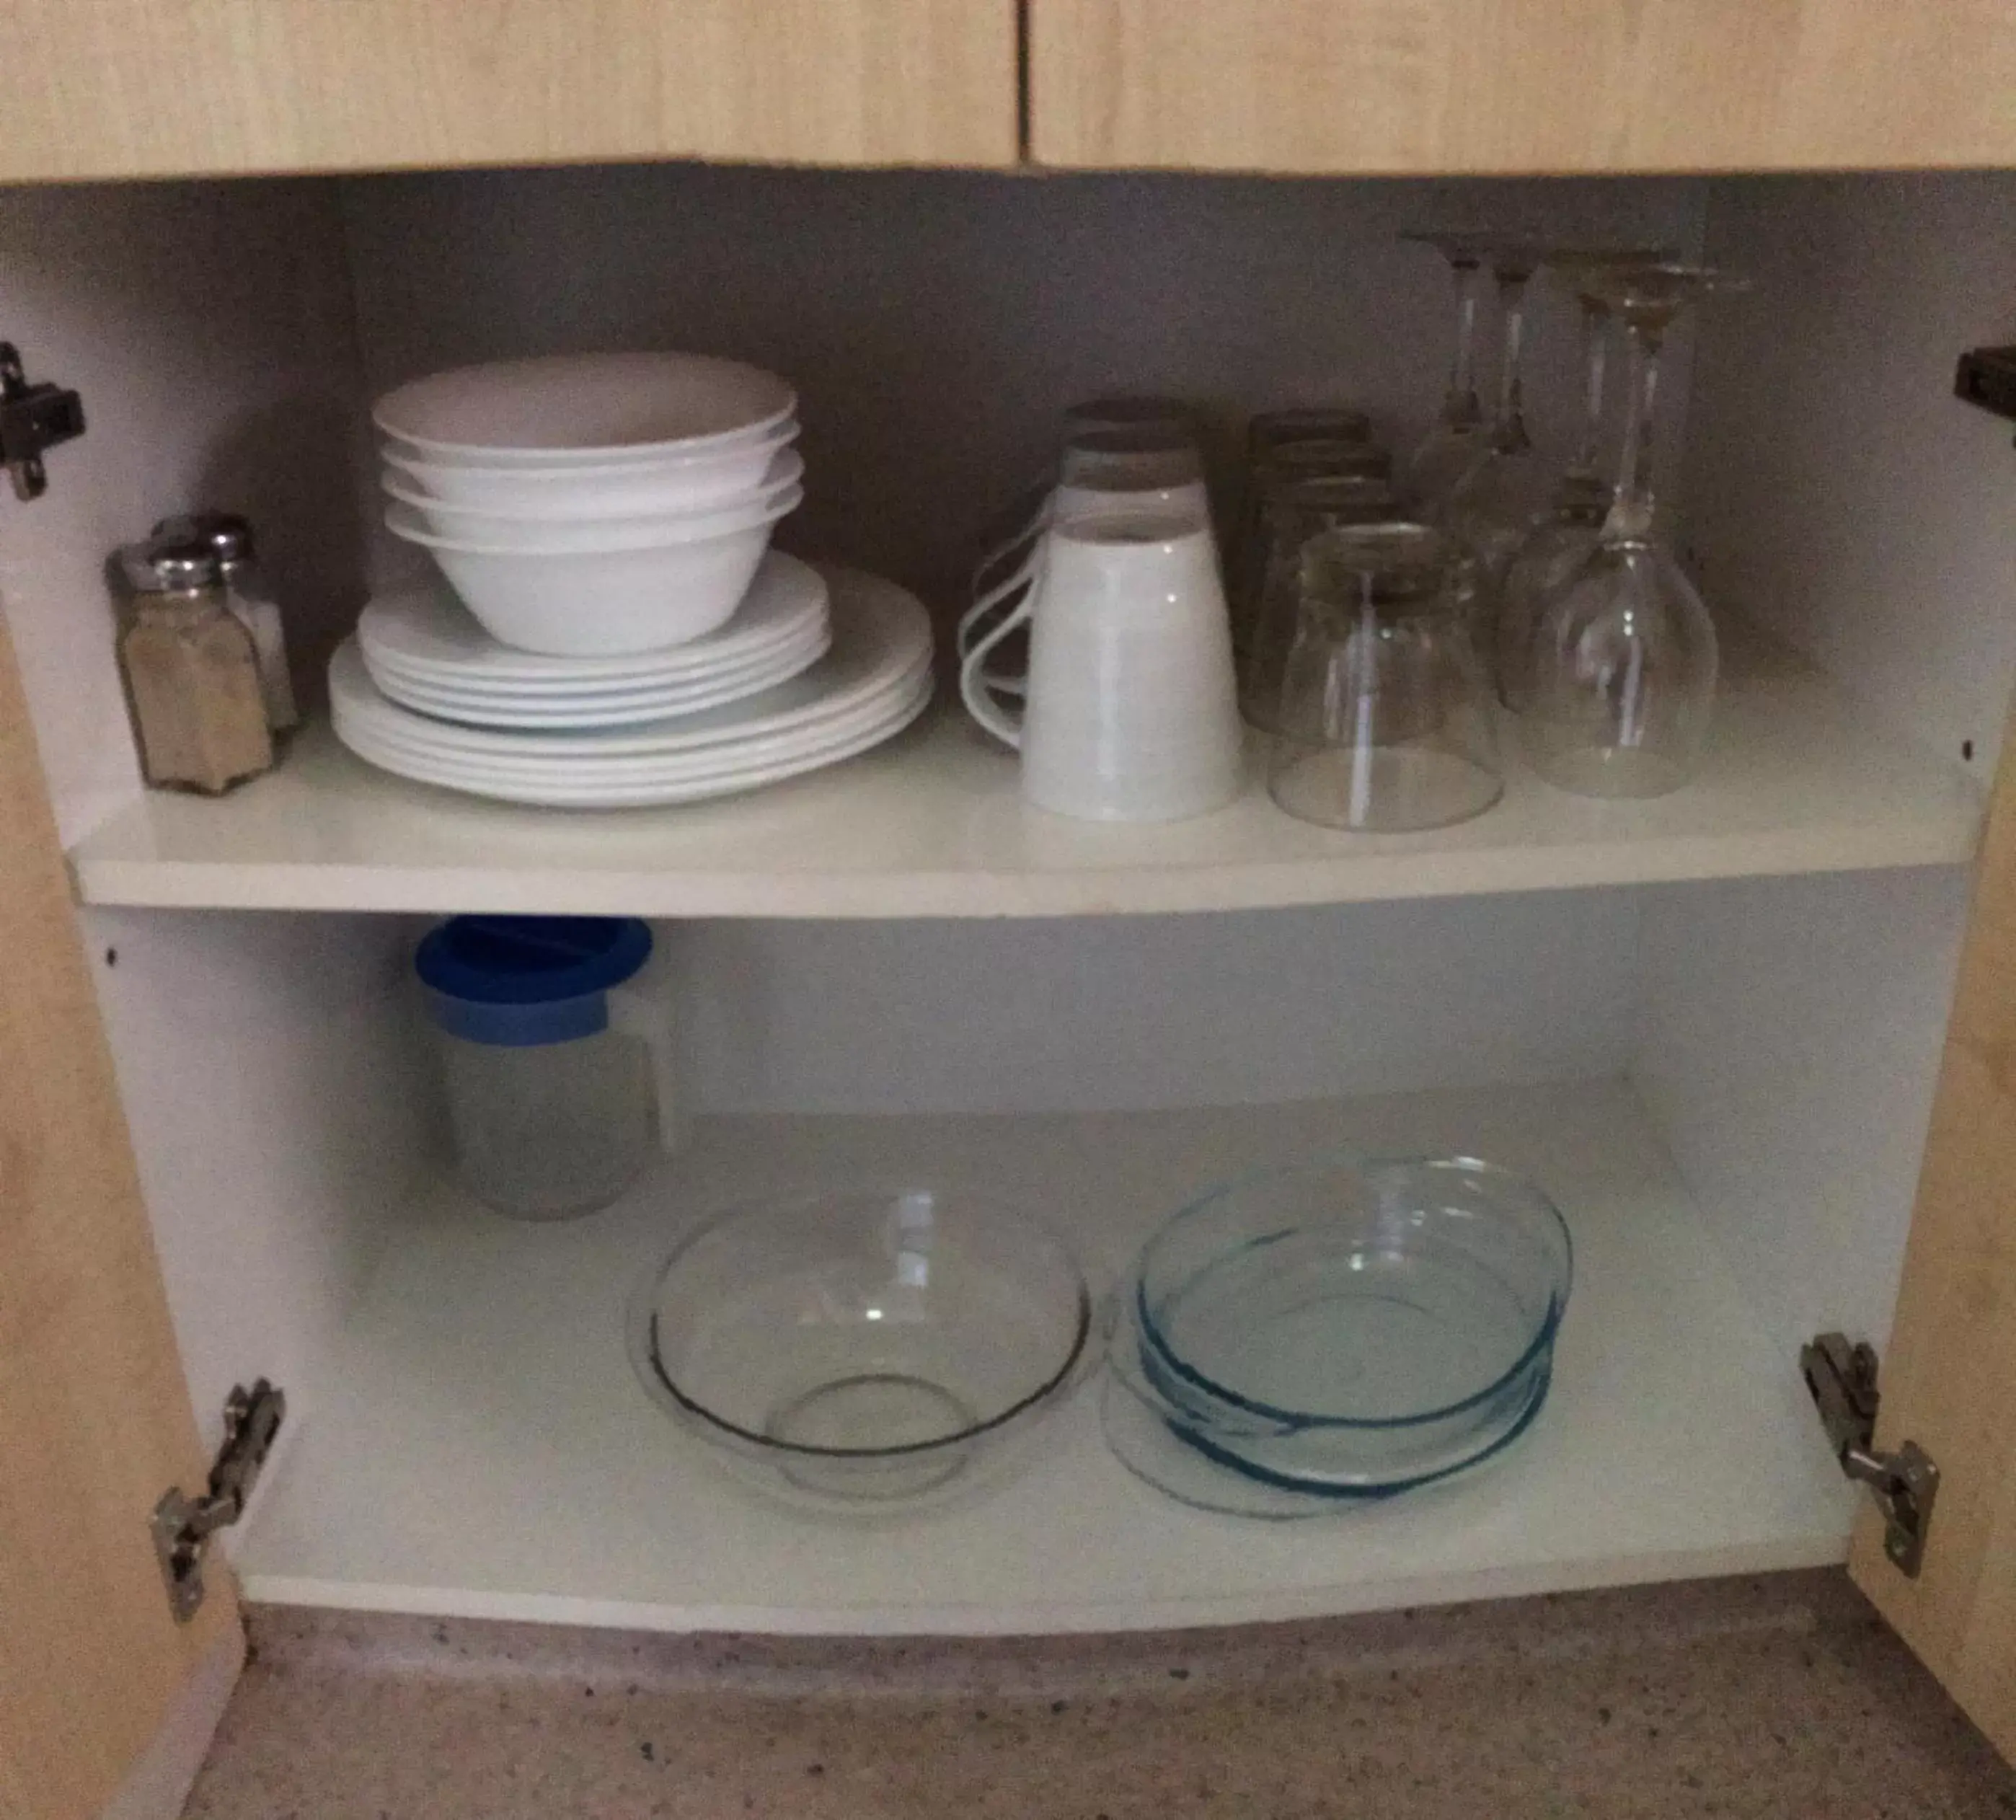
<point>557,1057</point>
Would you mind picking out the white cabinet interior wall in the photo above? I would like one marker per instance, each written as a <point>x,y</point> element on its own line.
<point>1758,1052</point>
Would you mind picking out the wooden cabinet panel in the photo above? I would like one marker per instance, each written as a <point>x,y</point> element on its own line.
<point>1522,86</point>
<point>1949,1378</point>
<point>156,87</point>
<point>94,1422</point>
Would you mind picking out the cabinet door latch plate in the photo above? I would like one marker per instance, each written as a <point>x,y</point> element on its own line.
<point>1904,1483</point>
<point>183,1526</point>
<point>33,418</point>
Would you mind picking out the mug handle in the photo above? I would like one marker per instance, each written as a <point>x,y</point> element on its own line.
<point>975,616</point>
<point>637,1007</point>
<point>973,687</point>
<point>1035,520</point>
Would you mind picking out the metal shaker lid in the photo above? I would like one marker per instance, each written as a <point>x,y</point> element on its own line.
<point>228,536</point>
<point>170,566</point>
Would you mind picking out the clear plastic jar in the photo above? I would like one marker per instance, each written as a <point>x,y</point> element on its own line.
<point>557,1056</point>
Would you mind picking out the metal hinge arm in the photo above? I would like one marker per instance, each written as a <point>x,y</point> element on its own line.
<point>1842,1379</point>
<point>183,1526</point>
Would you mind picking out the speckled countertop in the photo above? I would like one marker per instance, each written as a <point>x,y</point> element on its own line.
<point>1779,1697</point>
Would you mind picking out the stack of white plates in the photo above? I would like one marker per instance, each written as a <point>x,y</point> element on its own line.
<point>425,653</point>
<point>593,505</point>
<point>874,681</point>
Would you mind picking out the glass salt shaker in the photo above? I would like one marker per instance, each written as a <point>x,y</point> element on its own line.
<point>250,600</point>
<point>191,674</point>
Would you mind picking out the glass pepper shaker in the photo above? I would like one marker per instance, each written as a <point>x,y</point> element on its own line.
<point>192,676</point>
<point>250,600</point>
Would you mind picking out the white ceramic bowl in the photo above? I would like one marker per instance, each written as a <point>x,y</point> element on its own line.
<point>571,410</point>
<point>669,483</point>
<point>522,530</point>
<point>605,602</point>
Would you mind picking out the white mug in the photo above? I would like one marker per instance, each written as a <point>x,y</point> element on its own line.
<point>1132,714</point>
<point>1141,467</point>
<point>1065,505</point>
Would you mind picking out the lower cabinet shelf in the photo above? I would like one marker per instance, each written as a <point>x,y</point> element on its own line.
<point>480,1446</point>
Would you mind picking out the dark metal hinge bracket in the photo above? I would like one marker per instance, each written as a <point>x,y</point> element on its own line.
<point>183,1526</point>
<point>33,419</point>
<point>1986,377</point>
<point>1904,1483</point>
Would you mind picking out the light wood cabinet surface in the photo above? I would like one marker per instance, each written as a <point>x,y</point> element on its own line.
<point>94,1422</point>
<point>1521,86</point>
<point>1949,1379</point>
<point>161,88</point>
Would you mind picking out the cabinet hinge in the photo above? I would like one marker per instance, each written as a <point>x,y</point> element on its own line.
<point>183,1526</point>
<point>33,418</point>
<point>1904,1483</point>
<point>1986,377</point>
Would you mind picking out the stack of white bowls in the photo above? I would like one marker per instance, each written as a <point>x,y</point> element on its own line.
<point>593,505</point>
<point>629,638</point>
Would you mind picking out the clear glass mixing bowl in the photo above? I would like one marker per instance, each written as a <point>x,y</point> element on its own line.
<point>864,1346</point>
<point>1368,1296</point>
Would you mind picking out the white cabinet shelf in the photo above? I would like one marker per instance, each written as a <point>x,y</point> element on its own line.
<point>479,1446</point>
<point>1799,781</point>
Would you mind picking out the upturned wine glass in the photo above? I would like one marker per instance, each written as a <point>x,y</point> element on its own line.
<point>1561,539</point>
<point>1624,655</point>
<point>1444,455</point>
<point>1493,505</point>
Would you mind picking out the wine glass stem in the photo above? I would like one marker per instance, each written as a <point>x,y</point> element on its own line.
<point>1509,433</point>
<point>1595,358</point>
<point>1460,409</point>
<point>1631,515</point>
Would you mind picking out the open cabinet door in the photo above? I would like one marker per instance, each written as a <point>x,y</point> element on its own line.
<point>1949,1377</point>
<point>106,1702</point>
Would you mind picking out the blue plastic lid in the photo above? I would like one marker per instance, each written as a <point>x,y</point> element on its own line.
<point>519,981</point>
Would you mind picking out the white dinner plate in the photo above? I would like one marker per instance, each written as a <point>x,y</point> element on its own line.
<point>424,633</point>
<point>879,634</point>
<point>787,659</point>
<point>616,707</point>
<point>638,774</point>
<point>652,767</point>
<point>902,712</point>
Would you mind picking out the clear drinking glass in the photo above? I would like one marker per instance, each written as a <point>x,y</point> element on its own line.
<point>1175,419</point>
<point>1624,657</point>
<point>1385,720</point>
<point>1293,510</point>
<point>1285,462</point>
<point>1266,431</point>
<point>1444,455</point>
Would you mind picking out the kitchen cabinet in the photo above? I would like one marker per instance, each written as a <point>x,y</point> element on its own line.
<point>1381,86</point>
<point>1712,1024</point>
<point>138,88</point>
